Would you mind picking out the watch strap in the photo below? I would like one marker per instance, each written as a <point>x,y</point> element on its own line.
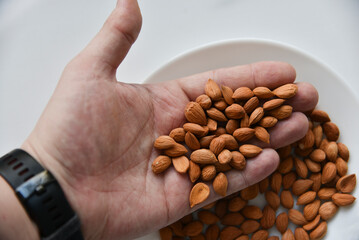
<point>41,195</point>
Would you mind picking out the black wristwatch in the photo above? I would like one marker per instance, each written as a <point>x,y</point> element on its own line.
<point>41,196</point>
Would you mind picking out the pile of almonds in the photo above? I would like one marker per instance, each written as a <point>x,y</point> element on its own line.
<point>312,171</point>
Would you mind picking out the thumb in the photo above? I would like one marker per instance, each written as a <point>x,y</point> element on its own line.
<point>110,46</point>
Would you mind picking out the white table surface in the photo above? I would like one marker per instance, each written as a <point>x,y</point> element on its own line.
<point>38,37</point>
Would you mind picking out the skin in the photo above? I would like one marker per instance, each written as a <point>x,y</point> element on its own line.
<point>96,134</point>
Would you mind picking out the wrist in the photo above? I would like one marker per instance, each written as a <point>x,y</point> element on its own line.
<point>15,222</point>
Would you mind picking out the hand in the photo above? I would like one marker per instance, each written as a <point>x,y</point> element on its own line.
<point>96,134</point>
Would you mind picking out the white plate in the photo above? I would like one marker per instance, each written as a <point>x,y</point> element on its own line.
<point>335,97</point>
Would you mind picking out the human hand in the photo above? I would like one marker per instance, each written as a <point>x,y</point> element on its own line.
<point>96,134</point>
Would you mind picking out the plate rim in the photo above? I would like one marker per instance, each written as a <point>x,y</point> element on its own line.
<point>261,41</point>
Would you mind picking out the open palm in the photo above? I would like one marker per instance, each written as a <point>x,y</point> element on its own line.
<point>96,134</point>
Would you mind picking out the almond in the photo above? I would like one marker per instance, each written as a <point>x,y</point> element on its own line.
<point>276,181</point>
<point>288,235</point>
<point>225,156</point>
<point>186,219</point>
<point>268,122</point>
<point>331,151</point>
<point>306,198</point>
<point>194,128</point>
<point>343,199</point>
<point>242,237</point>
<point>262,134</point>
<point>263,92</point>
<point>193,228</point>
<point>220,184</point>
<point>245,121</point>
<point>195,114</point>
<point>211,124</point>
<point>346,184</point>
<point>252,212</point>
<point>181,164</point>
<point>220,131</point>
<point>318,135</point>
<point>232,125</point>
<point>177,228</point>
<point>310,210</point>
<point>281,112</point>
<point>307,141</point>
<point>327,210</point>
<point>323,144</point>
<point>176,151</point>
<point>232,219</point>
<point>235,111</point>
<point>317,155</point>
<point>249,150</point>
<point>272,104</point>
<point>296,217</point>
<point>286,91</point>
<point>263,185</point>
<point>205,141</point>
<point>273,199</point>
<point>343,151</point>
<point>194,171</point>
<point>301,168</point>
<point>217,115</point>
<point>230,142</point>
<point>220,104</point>
<point>249,226</point>
<point>243,134</point>
<point>273,238</point>
<point>251,104</point>
<point>286,199</point>
<point>221,208</point>
<point>268,219</point>
<point>319,116</point>
<point>222,167</point>
<point>319,232</point>
<point>166,233</point>
<point>212,232</point>
<point>229,233</point>
<point>326,193</point>
<point>317,181</point>
<point>256,116</point>
<point>311,225</point>
<point>285,165</point>
<point>302,152</point>
<point>236,204</point>
<point>212,90</point>
<point>191,141</point>
<point>227,94</point>
<point>300,234</point>
<point>342,166</point>
<point>207,217</point>
<point>288,180</point>
<point>260,235</point>
<point>160,164</point>
<point>164,142</point>
<point>209,206</point>
<point>178,134</point>
<point>238,161</point>
<point>300,186</point>
<point>313,166</point>
<point>243,93</point>
<point>331,130</point>
<point>217,145</point>
<point>198,237</point>
<point>203,156</point>
<point>281,222</point>
<point>250,192</point>
<point>329,172</point>
<point>199,194</point>
<point>208,172</point>
<point>204,101</point>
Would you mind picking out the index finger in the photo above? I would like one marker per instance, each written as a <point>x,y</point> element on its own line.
<point>267,74</point>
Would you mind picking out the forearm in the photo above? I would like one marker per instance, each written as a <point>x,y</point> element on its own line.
<point>15,223</point>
